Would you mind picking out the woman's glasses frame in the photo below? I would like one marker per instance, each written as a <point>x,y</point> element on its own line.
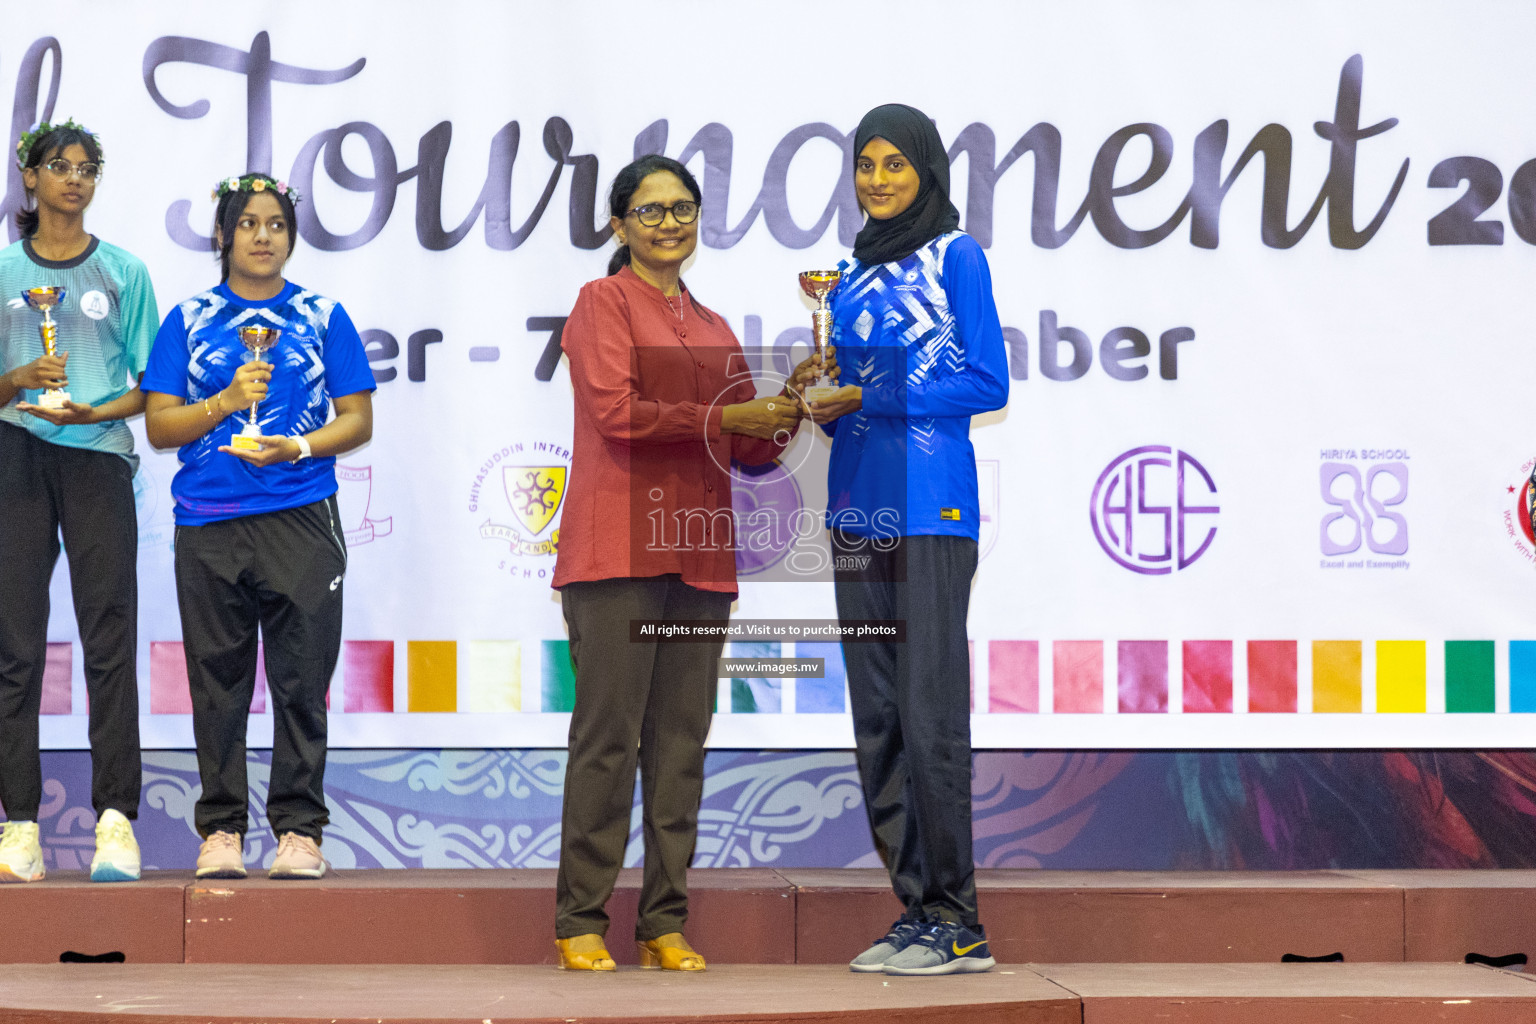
<point>652,214</point>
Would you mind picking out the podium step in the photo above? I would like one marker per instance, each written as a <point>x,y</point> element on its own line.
<point>788,916</point>
<point>764,994</point>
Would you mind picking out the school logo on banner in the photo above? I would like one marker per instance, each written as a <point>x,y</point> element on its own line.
<point>535,493</point>
<point>354,496</point>
<point>1154,510</point>
<point>520,489</point>
<point>1517,512</point>
<point>1365,526</point>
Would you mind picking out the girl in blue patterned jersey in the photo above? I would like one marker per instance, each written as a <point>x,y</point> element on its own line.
<point>258,534</point>
<point>66,469</point>
<point>921,351</point>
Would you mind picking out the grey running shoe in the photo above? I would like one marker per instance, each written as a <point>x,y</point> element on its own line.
<point>902,932</point>
<point>943,948</point>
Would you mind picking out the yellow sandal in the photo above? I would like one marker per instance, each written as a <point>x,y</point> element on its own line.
<point>670,952</point>
<point>584,953</point>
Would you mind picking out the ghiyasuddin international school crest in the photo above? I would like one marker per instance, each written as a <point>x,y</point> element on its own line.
<point>534,494</point>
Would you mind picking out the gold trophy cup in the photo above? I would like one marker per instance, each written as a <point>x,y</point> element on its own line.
<point>46,299</point>
<point>819,284</point>
<point>257,341</point>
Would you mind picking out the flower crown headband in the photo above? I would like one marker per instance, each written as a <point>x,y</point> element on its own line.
<point>254,183</point>
<point>40,128</point>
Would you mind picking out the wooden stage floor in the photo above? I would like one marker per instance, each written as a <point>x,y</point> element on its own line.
<point>477,945</point>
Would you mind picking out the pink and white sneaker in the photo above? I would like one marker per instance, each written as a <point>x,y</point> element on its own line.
<point>297,857</point>
<point>220,857</point>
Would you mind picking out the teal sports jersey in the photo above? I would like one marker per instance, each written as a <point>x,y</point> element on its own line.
<point>107,323</point>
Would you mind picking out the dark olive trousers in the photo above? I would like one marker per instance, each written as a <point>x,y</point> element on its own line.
<point>635,701</point>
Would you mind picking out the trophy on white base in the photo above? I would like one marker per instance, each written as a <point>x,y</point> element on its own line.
<point>257,341</point>
<point>819,284</point>
<point>46,299</point>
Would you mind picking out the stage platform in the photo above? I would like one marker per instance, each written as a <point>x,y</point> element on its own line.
<point>1038,994</point>
<point>781,917</point>
<point>476,945</point>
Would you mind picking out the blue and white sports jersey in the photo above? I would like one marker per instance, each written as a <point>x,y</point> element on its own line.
<point>319,355</point>
<point>921,337</point>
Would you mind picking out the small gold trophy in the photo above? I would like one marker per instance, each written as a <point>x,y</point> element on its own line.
<point>819,284</point>
<point>45,299</point>
<point>257,340</point>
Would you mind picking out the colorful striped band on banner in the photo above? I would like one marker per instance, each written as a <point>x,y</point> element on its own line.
<point>1272,676</point>
<point>1402,669</point>
<point>488,676</point>
<point>1522,675</point>
<point>432,675</point>
<point>493,676</point>
<point>1207,676</point>
<point>1469,676</point>
<point>1336,675</point>
<point>557,689</point>
<point>1077,669</point>
<point>368,675</point>
<point>1143,670</point>
<point>1013,676</point>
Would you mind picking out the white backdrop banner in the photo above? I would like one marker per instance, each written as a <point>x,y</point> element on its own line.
<point>1263,477</point>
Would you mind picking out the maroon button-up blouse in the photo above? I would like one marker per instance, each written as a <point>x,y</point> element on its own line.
<point>650,486</point>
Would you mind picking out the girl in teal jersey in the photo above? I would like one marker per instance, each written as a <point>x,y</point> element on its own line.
<point>67,470</point>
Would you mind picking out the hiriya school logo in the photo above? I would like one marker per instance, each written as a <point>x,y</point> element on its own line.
<point>94,304</point>
<point>1365,490</point>
<point>1153,510</point>
<point>1517,512</point>
<point>355,498</point>
<point>524,485</point>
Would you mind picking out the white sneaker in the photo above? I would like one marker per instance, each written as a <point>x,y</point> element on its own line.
<point>117,852</point>
<point>21,855</point>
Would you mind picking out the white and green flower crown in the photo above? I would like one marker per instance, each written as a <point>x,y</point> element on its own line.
<point>254,183</point>
<point>40,128</point>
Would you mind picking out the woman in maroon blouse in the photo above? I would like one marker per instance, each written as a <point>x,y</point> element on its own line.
<point>663,404</point>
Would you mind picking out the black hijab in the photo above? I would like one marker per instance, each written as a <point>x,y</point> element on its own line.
<point>931,213</point>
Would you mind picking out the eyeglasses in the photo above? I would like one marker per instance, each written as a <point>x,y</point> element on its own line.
<point>61,168</point>
<point>652,214</point>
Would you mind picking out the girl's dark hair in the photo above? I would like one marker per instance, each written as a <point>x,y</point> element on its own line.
<point>45,149</point>
<point>629,179</point>
<point>226,218</point>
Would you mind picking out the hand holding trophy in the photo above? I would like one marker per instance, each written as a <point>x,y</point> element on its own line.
<point>46,299</point>
<point>258,340</point>
<point>819,284</point>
